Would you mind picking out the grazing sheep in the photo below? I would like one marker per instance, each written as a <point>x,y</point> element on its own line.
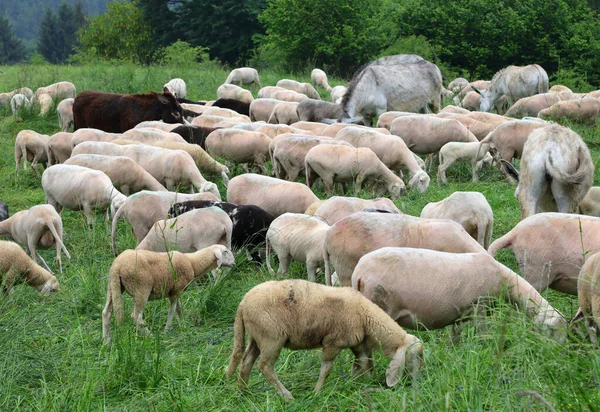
<point>458,84</point>
<point>421,288</point>
<point>57,91</point>
<point>471,101</point>
<point>268,91</point>
<point>303,315</point>
<point>360,233</point>
<point>144,208</point>
<point>314,127</point>
<point>312,110</point>
<point>550,248</point>
<point>250,223</point>
<point>261,109</point>
<point>45,102</point>
<point>231,91</point>
<point>585,110</point>
<point>297,237</point>
<point>474,152</point>
<point>64,110</point>
<point>79,188</point>
<point>319,79</point>
<point>143,135</point>
<point>556,171</point>
<point>274,130</point>
<point>189,232</point>
<point>17,102</point>
<point>338,207</point>
<point>590,204</point>
<point>305,88</point>
<point>509,138</point>
<point>333,163</point>
<point>243,75</point>
<point>3,211</point>
<point>147,275</point>
<point>454,109</point>
<point>491,118</point>
<point>208,121</point>
<point>239,146</point>
<point>39,227</point>
<point>391,150</point>
<point>588,292</point>
<point>125,174</point>
<point>470,209</point>
<point>385,119</point>
<point>59,148</point>
<point>337,93</point>
<point>289,96</point>
<point>31,146</point>
<point>479,129</point>
<point>531,106</point>
<point>177,88</point>
<point>92,135</point>
<point>16,267</point>
<point>276,196</point>
<point>289,153</point>
<point>284,113</point>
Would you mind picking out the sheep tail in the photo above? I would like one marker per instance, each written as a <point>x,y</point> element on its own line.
<point>502,243</point>
<point>327,266</point>
<point>268,256</point>
<point>239,338</point>
<point>114,288</point>
<point>58,240</point>
<point>115,221</point>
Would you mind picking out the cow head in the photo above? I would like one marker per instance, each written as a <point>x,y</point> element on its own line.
<point>172,112</point>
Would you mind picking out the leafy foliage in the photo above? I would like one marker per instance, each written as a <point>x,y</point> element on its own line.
<point>180,54</point>
<point>11,48</point>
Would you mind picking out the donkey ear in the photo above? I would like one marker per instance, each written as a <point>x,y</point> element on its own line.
<point>476,90</point>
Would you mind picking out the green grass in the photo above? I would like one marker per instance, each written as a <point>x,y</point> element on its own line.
<point>52,352</point>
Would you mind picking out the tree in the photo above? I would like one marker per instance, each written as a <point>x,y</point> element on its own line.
<point>165,24</point>
<point>58,32</point>
<point>11,49</point>
<point>48,42</point>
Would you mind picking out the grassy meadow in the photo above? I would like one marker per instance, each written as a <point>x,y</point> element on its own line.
<point>52,355</point>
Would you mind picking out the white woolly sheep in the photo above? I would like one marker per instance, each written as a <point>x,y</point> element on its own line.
<point>39,227</point>
<point>243,75</point>
<point>470,209</point>
<point>268,91</point>
<point>64,110</point>
<point>31,146</point>
<point>296,237</point>
<point>177,88</point>
<point>319,79</point>
<point>284,113</point>
<point>147,275</point>
<point>303,315</point>
<point>337,93</point>
<point>17,102</point>
<point>333,163</point>
<point>190,231</point>
<point>305,88</point>
<point>338,207</point>
<point>473,152</point>
<point>289,96</point>
<point>16,267</point>
<point>57,91</point>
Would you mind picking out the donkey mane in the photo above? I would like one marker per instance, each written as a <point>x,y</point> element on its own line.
<point>352,84</point>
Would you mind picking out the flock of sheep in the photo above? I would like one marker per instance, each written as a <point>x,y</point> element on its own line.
<point>394,271</point>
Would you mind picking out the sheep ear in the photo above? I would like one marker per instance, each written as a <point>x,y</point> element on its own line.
<point>219,257</point>
<point>396,368</point>
<point>509,169</point>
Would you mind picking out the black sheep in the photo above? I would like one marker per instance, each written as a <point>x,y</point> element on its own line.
<point>3,211</point>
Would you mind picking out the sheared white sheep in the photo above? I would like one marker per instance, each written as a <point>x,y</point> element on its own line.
<point>125,174</point>
<point>239,146</point>
<point>584,110</point>
<point>314,127</point>
<point>296,237</point>
<point>92,135</point>
<point>338,207</point>
<point>80,188</point>
<point>319,78</point>
<point>39,227</point>
<point>473,152</point>
<point>144,208</point>
<point>470,209</point>
<point>31,146</point>
<point>231,91</point>
<point>479,129</point>
<point>590,204</point>
<point>64,110</point>
<point>147,275</point>
<point>17,102</point>
<point>289,96</point>
<point>190,231</point>
<point>223,112</point>
<point>274,130</point>
<point>243,75</point>
<point>276,196</point>
<point>57,91</point>
<point>305,88</point>
<point>268,91</point>
<point>209,120</point>
<point>509,138</point>
<point>284,113</point>
<point>261,109</point>
<point>16,267</point>
<point>385,119</point>
<point>532,105</point>
<point>177,88</point>
<point>304,315</point>
<point>588,292</point>
<point>337,93</point>
<point>147,135</point>
<point>59,148</point>
<point>333,163</point>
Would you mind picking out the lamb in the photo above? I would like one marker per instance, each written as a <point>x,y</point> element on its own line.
<point>3,211</point>
<point>31,146</point>
<point>338,207</point>
<point>305,88</point>
<point>125,174</point>
<point>319,79</point>
<point>144,208</point>
<point>431,289</point>
<point>64,110</point>
<point>531,106</point>
<point>243,75</point>
<point>391,150</point>
<point>289,153</point>
<point>556,171</point>
<point>261,109</point>
<point>231,91</point>
<point>17,102</point>
<point>284,113</point>
<point>298,314</point>
<point>337,93</point>
<point>16,267</point>
<point>312,110</point>
<point>343,164</point>
<point>289,96</point>
<point>470,209</point>
<point>39,227</point>
<point>149,275</point>
<point>189,232</point>
<point>275,196</point>
<point>588,288</point>
<point>584,110</point>
<point>360,233</point>
<point>509,138</point>
<point>59,148</point>
<point>239,146</point>
<point>590,204</point>
<point>297,237</point>
<point>76,187</point>
<point>474,152</point>
<point>176,87</point>
<point>250,223</point>
<point>549,248</point>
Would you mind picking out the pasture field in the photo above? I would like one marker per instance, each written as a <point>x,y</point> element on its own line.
<point>52,356</point>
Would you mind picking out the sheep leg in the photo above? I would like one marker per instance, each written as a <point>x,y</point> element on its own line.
<point>328,355</point>
<point>179,312</point>
<point>248,360</point>
<point>361,360</point>
<point>34,162</point>
<point>43,262</point>
<point>441,176</point>
<point>88,211</point>
<point>266,364</point>
<point>171,313</point>
<point>106,315</point>
<point>474,167</point>
<point>285,260</point>
<point>311,269</point>
<point>136,315</point>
